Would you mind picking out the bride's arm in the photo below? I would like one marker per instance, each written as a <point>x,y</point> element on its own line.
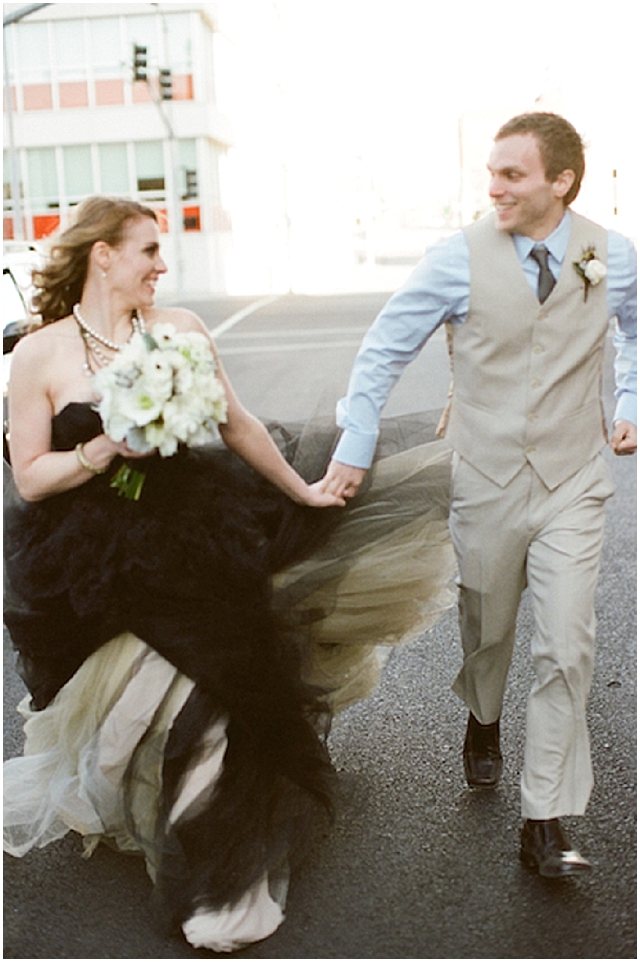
<point>38,471</point>
<point>249,438</point>
<point>245,434</point>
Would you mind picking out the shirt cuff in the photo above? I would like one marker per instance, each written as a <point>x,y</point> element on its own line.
<point>626,408</point>
<point>356,450</point>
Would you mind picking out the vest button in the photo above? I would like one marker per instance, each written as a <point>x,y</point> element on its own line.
<point>535,382</point>
<point>542,315</point>
<point>538,349</point>
<point>530,449</point>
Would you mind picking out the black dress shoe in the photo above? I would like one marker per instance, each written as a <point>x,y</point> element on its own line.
<point>481,755</point>
<point>545,847</point>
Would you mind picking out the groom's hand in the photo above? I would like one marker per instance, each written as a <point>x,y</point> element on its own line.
<point>624,439</point>
<point>342,480</point>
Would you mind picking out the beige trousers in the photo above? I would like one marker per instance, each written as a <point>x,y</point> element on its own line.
<point>507,539</point>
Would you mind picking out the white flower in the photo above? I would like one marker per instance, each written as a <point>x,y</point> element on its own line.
<point>595,271</point>
<point>161,390</point>
<point>590,269</point>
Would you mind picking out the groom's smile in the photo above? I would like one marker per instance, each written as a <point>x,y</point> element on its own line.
<point>525,201</point>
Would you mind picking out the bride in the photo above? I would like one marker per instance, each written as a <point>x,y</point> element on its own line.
<point>184,652</point>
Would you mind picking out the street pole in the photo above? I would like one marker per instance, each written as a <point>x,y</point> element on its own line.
<point>173,193</point>
<point>22,12</point>
<point>16,203</point>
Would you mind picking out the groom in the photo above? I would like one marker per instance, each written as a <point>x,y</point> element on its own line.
<point>527,294</point>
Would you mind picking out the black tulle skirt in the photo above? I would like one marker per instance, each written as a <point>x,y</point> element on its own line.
<point>184,654</point>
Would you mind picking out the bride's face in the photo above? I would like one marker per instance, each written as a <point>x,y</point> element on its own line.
<point>136,265</point>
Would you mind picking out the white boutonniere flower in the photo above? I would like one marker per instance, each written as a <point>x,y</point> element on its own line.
<point>590,269</point>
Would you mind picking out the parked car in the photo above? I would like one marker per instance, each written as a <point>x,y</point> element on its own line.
<point>17,289</point>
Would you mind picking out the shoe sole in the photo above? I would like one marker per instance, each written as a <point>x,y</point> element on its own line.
<point>474,783</point>
<point>563,871</point>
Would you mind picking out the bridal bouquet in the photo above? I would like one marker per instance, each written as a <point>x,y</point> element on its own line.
<point>160,391</point>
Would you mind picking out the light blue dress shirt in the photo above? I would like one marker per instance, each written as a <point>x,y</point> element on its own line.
<point>438,291</point>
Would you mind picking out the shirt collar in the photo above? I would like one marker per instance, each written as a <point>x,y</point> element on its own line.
<point>556,243</point>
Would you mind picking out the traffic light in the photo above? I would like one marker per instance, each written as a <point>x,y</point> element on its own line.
<point>192,184</point>
<point>139,62</point>
<point>166,84</point>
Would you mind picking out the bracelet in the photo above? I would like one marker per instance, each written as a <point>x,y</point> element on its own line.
<point>84,461</point>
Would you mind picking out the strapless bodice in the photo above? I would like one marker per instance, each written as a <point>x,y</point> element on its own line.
<point>77,421</point>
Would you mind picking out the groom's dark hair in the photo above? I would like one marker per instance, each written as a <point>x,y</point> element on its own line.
<point>561,146</point>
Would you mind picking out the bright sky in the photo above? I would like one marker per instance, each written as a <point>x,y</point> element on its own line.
<point>386,81</point>
<point>377,75</point>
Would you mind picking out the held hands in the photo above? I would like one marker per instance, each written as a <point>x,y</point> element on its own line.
<point>339,483</point>
<point>342,480</point>
<point>624,439</point>
<point>316,497</point>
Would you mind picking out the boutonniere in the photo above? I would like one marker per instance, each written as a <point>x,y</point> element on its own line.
<point>590,269</point>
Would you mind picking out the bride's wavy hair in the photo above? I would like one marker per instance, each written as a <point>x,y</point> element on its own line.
<point>59,284</point>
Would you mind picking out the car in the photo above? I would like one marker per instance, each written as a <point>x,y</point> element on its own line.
<point>17,290</point>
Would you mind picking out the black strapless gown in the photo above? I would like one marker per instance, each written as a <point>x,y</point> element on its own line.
<point>244,620</point>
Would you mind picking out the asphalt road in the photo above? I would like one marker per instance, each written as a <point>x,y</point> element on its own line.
<point>416,865</point>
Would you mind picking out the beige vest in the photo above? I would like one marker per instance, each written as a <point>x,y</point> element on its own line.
<point>528,377</point>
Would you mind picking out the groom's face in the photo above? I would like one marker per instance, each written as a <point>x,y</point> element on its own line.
<point>525,201</point>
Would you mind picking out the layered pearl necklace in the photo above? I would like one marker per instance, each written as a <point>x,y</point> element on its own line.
<point>94,342</point>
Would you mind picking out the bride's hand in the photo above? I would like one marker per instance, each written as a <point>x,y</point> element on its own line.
<point>123,449</point>
<point>318,498</point>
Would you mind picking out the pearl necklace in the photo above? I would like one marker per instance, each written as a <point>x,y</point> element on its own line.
<point>137,322</point>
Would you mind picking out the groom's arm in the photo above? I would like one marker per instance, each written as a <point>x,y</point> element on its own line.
<point>436,291</point>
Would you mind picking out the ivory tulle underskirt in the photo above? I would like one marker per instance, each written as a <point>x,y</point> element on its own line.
<point>93,765</point>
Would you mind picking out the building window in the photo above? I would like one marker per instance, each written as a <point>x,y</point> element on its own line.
<point>107,60</point>
<point>106,48</point>
<point>33,63</point>
<point>70,53</point>
<point>114,168</point>
<point>70,50</point>
<point>178,35</point>
<point>143,30</point>
<point>33,59</point>
<point>78,173</point>
<point>191,219</point>
<point>43,177</point>
<point>150,169</point>
<point>43,191</point>
<point>179,53</point>
<point>188,184</point>
<point>7,159</point>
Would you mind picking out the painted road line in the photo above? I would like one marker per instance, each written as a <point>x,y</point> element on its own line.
<point>284,348</point>
<point>300,332</point>
<point>245,312</point>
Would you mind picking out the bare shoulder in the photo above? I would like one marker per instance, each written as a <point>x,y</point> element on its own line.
<point>45,342</point>
<point>181,318</point>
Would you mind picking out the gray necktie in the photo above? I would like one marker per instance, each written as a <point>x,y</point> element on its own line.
<point>546,280</point>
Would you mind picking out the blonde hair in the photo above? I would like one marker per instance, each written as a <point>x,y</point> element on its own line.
<point>59,284</point>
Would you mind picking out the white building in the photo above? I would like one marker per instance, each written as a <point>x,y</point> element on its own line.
<point>79,124</point>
